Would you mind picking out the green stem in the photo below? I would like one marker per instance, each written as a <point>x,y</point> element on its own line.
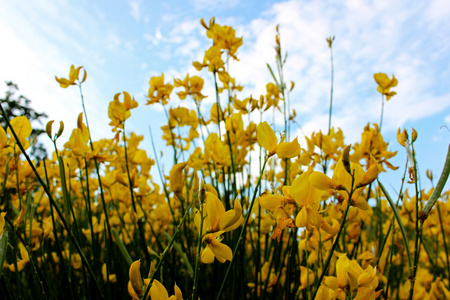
<point>399,222</point>
<point>242,230</point>
<point>199,248</point>
<point>53,203</point>
<point>130,184</point>
<point>445,242</point>
<point>418,237</point>
<point>166,250</point>
<point>382,110</point>
<point>336,241</point>
<point>331,90</point>
<point>439,187</point>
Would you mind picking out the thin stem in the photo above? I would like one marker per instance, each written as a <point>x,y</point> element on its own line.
<point>418,238</point>
<point>331,90</point>
<point>382,110</point>
<point>199,248</point>
<point>53,202</point>
<point>242,230</point>
<point>336,241</point>
<point>130,184</point>
<point>166,250</point>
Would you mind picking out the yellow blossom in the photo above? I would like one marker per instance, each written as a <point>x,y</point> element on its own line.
<point>73,77</point>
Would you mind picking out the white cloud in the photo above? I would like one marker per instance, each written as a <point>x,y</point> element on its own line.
<point>371,37</point>
<point>213,5</point>
<point>135,6</point>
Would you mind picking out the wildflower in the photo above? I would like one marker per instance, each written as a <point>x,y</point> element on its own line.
<point>159,91</point>
<point>21,262</point>
<point>118,112</point>
<point>159,292</point>
<point>217,219</point>
<point>22,129</point>
<point>385,84</point>
<point>268,140</point>
<point>176,178</point>
<point>135,277</point>
<point>192,85</point>
<point>342,180</point>
<point>215,249</point>
<point>73,77</point>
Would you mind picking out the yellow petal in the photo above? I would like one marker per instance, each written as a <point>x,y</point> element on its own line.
<point>176,178</point>
<point>270,202</point>
<point>214,210</point>
<point>21,126</point>
<point>321,181</point>
<point>158,291</point>
<point>221,251</point>
<point>288,150</point>
<point>2,222</point>
<point>231,219</point>
<point>370,175</point>
<point>303,192</point>
<point>207,256</point>
<point>266,137</point>
<point>135,277</point>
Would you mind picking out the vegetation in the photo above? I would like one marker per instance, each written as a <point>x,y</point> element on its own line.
<point>245,212</point>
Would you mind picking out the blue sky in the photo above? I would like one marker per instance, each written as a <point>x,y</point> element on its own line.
<point>122,44</point>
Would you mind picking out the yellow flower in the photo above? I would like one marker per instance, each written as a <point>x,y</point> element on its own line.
<point>192,85</point>
<point>135,277</point>
<point>21,262</point>
<point>77,143</point>
<point>2,222</point>
<point>268,140</point>
<point>215,249</point>
<point>385,84</point>
<point>118,112</point>
<point>159,91</point>
<point>73,76</point>
<point>176,178</point>
<point>217,219</point>
<point>22,128</point>
<point>159,292</point>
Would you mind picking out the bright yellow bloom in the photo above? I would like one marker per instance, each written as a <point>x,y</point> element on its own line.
<point>385,84</point>
<point>159,292</point>
<point>216,218</point>
<point>176,178</point>
<point>135,277</point>
<point>159,91</point>
<point>118,112</point>
<point>22,128</point>
<point>215,249</point>
<point>73,76</point>
<point>268,140</point>
<point>192,85</point>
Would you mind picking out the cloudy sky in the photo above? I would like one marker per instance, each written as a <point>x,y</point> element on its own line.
<point>122,44</point>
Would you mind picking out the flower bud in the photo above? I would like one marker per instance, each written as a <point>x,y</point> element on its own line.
<point>48,128</point>
<point>346,159</point>
<point>135,277</point>
<point>176,178</point>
